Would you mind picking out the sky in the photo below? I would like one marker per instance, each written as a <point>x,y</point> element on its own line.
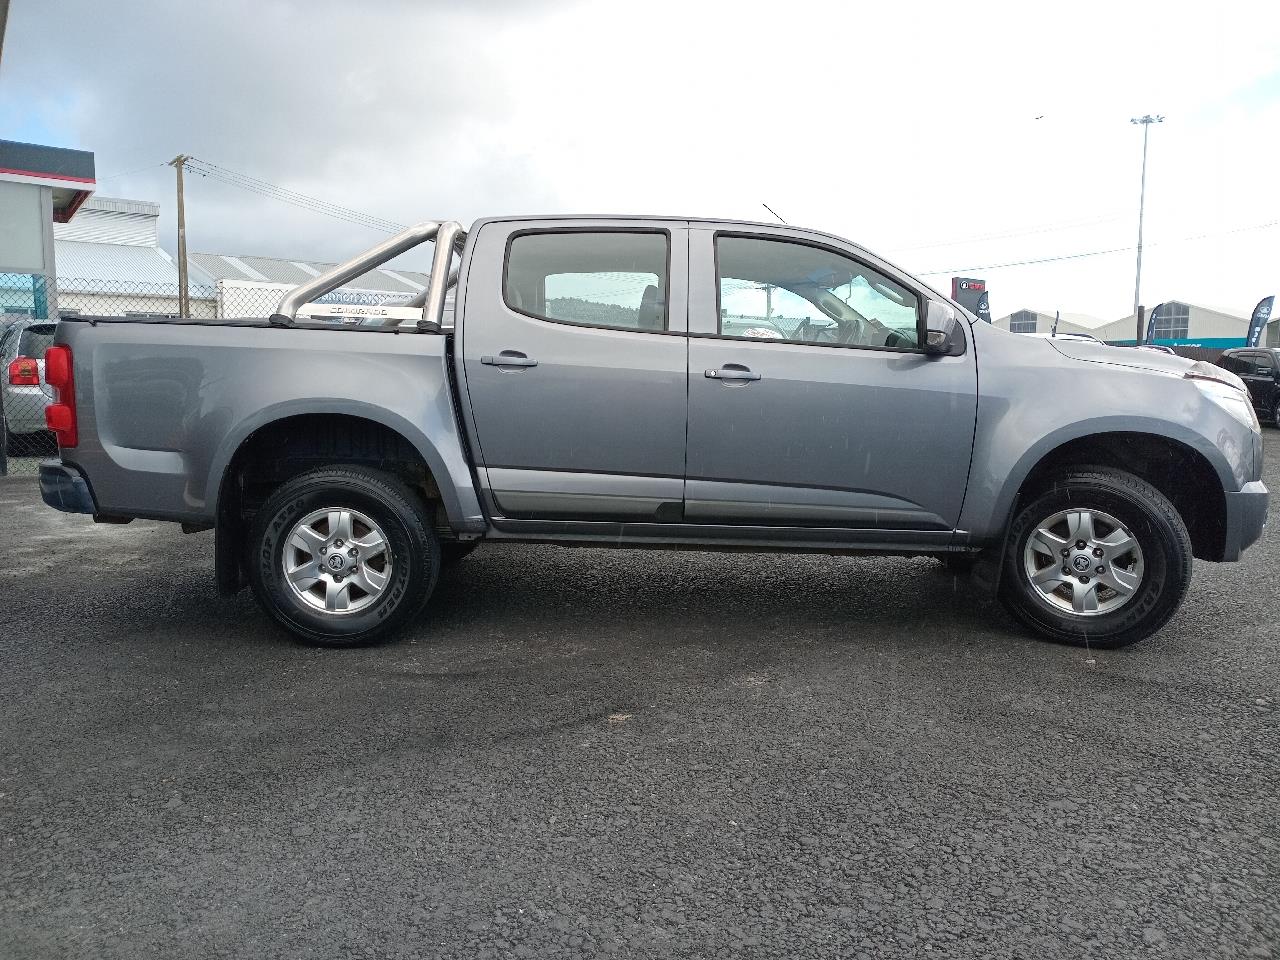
<point>949,138</point>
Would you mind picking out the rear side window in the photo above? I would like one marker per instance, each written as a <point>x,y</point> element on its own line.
<point>34,341</point>
<point>596,278</point>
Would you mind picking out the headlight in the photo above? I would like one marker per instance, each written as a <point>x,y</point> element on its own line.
<point>1226,390</point>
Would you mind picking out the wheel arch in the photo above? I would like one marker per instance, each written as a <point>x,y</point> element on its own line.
<point>1193,482</point>
<point>283,441</point>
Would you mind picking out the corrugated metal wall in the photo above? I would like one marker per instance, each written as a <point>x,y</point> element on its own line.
<point>109,226</point>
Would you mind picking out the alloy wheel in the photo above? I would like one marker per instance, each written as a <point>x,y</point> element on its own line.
<point>1083,562</point>
<point>336,560</point>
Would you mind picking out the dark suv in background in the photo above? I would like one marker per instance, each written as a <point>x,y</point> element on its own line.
<point>1259,368</point>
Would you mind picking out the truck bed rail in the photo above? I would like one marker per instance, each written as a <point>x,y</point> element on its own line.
<point>427,307</point>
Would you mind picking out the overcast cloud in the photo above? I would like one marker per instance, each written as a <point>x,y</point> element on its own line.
<point>910,128</point>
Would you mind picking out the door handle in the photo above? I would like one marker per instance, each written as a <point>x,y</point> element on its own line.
<point>731,371</point>
<point>509,358</point>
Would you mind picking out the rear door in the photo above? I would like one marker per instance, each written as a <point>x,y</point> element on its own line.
<point>810,402</point>
<point>572,339</point>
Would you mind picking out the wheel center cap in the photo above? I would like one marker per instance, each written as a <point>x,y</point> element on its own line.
<point>336,562</point>
<point>1081,562</point>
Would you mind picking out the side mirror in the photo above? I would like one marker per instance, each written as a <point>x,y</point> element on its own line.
<point>944,333</point>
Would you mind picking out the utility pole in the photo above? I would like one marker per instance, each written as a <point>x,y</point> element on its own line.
<point>184,299</point>
<point>1145,123</point>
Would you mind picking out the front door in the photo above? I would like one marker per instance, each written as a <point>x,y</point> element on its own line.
<point>810,402</point>
<point>1259,374</point>
<point>575,362</point>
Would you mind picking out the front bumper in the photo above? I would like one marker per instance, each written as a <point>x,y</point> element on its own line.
<point>64,489</point>
<point>1246,515</point>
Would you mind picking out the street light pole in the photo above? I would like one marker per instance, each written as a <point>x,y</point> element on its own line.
<point>1145,123</point>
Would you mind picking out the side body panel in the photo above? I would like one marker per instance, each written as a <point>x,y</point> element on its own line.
<point>828,435</point>
<point>1036,394</point>
<point>596,429</point>
<point>163,407</point>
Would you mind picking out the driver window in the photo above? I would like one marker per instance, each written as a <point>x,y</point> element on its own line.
<point>778,290</point>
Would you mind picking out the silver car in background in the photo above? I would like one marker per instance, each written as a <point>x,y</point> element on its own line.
<point>23,391</point>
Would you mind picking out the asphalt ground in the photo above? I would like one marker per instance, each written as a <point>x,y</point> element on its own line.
<point>643,754</point>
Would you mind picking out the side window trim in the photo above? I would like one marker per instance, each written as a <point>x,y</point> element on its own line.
<point>666,289</point>
<point>716,235</point>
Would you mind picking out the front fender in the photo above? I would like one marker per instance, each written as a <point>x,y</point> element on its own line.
<point>998,478</point>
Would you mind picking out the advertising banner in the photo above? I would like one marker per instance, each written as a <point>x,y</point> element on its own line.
<point>984,308</point>
<point>967,291</point>
<point>1151,323</point>
<point>1258,323</point>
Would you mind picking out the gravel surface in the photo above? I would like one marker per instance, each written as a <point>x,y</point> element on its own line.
<point>592,752</point>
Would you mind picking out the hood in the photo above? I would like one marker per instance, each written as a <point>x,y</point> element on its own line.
<point>1122,356</point>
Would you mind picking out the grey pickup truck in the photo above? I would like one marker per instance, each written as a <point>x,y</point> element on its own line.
<point>646,382</point>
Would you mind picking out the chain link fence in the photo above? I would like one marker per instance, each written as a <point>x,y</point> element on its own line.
<point>29,308</point>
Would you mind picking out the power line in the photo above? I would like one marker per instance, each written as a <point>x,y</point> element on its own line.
<point>1093,253</point>
<point>114,176</point>
<point>1047,228</point>
<point>265,188</point>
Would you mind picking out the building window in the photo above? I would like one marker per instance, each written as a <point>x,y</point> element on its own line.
<point>1024,321</point>
<point>1172,323</point>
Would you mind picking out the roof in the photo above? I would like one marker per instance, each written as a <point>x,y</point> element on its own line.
<point>116,205</point>
<point>116,263</point>
<point>69,172</point>
<point>1075,319</point>
<point>294,272</point>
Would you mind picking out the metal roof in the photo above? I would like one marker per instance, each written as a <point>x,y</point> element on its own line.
<point>117,205</point>
<point>116,263</point>
<point>293,272</point>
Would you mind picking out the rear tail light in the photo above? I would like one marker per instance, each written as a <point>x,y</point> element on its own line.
<point>60,417</point>
<point>24,372</point>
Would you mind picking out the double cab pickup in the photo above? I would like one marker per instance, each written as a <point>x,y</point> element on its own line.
<point>642,382</point>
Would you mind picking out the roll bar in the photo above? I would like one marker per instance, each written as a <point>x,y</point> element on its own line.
<point>448,235</point>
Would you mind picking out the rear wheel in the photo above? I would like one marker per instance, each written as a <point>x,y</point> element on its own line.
<point>1275,413</point>
<point>1100,559</point>
<point>343,556</point>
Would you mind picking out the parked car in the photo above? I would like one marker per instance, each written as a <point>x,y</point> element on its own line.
<point>586,393</point>
<point>22,347</point>
<point>1259,368</point>
<point>1158,348</point>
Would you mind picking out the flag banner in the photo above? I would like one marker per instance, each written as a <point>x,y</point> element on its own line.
<point>1151,323</point>
<point>984,308</point>
<point>1258,323</point>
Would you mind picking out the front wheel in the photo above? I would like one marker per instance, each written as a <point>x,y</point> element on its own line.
<point>343,556</point>
<point>1100,559</point>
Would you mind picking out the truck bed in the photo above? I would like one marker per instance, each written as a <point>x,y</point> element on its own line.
<point>163,404</point>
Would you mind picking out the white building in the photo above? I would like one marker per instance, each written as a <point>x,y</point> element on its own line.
<point>110,262</point>
<point>1179,324</point>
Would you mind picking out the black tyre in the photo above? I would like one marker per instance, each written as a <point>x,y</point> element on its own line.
<point>1275,413</point>
<point>343,556</point>
<point>454,552</point>
<point>1101,559</point>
